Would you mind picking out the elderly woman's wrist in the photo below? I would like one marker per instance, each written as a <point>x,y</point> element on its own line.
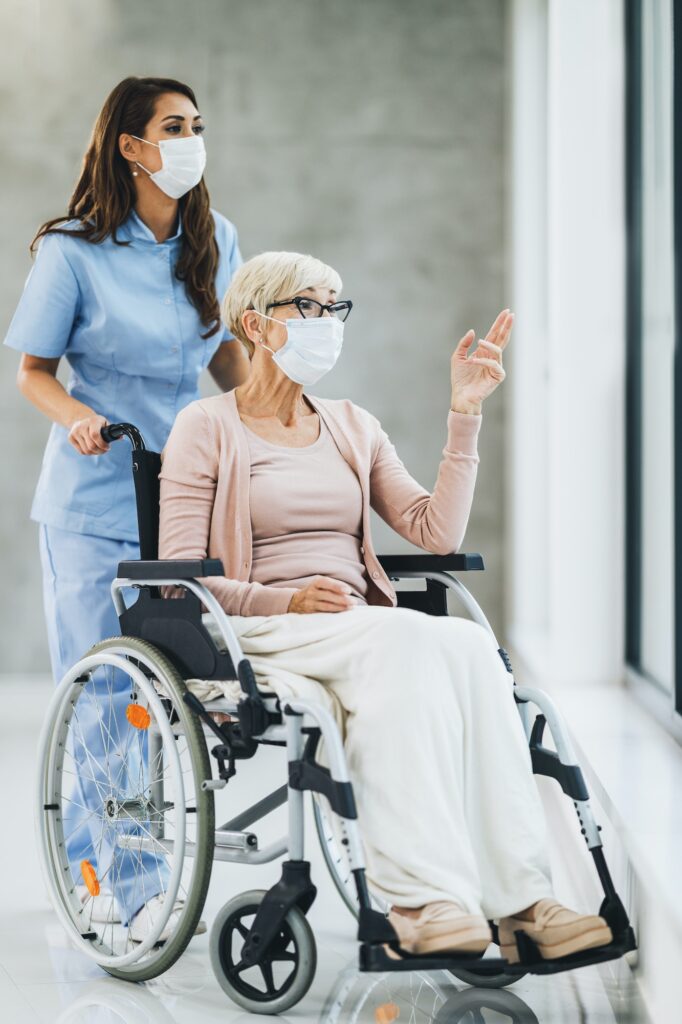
<point>467,409</point>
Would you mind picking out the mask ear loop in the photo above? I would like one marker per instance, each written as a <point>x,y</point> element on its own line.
<point>148,143</point>
<point>274,320</point>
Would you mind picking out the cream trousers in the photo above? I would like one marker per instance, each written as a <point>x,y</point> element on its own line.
<point>447,805</point>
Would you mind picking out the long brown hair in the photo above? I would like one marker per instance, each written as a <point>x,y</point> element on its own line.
<point>104,195</point>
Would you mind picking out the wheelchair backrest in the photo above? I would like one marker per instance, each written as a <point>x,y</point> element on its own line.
<point>146,469</point>
<point>175,627</point>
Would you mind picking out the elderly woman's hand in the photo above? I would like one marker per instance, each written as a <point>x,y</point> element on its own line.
<point>322,595</point>
<point>476,377</point>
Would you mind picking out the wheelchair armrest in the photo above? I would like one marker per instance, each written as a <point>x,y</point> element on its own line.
<point>395,565</point>
<point>169,568</point>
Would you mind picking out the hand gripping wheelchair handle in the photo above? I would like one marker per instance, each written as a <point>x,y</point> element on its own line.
<point>114,431</point>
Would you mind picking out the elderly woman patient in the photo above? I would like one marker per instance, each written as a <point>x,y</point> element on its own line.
<point>279,484</point>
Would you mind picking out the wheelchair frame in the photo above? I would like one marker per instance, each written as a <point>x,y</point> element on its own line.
<point>259,718</point>
<point>233,843</point>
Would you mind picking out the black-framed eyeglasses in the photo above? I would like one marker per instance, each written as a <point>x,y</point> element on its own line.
<point>311,308</point>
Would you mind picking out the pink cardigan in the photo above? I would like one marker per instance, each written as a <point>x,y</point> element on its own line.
<point>205,495</point>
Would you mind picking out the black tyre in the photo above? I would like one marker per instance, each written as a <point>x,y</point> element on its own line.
<point>287,970</point>
<point>143,766</point>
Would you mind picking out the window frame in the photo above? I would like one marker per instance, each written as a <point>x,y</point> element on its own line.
<point>677,353</point>
<point>667,708</point>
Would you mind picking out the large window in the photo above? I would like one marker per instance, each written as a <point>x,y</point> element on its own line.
<point>652,392</point>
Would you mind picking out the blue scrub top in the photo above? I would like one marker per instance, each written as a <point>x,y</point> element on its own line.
<point>133,342</point>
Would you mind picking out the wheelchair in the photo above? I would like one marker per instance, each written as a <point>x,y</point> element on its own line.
<point>152,777</point>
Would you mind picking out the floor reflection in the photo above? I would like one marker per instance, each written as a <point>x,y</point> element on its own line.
<point>108,1001</point>
<point>418,996</point>
<point>354,998</point>
<point>579,996</point>
<point>475,1004</point>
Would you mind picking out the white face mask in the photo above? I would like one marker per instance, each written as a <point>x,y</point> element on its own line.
<point>311,349</point>
<point>182,164</point>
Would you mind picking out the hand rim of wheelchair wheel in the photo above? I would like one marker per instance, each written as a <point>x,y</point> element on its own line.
<point>295,928</point>
<point>147,958</point>
<point>334,855</point>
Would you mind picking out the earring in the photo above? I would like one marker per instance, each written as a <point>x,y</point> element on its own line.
<point>135,173</point>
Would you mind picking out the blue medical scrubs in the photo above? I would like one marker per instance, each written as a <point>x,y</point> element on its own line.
<point>134,345</point>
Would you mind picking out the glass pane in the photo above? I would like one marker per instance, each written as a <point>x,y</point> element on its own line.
<point>340,310</point>
<point>309,308</point>
<point>657,344</point>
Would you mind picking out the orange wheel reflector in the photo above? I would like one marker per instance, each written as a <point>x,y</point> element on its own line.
<point>138,716</point>
<point>386,1013</point>
<point>90,878</point>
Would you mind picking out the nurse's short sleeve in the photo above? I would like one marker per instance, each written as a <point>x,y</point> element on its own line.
<point>43,320</point>
<point>235,261</point>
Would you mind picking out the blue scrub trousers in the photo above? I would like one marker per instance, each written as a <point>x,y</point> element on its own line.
<point>77,572</point>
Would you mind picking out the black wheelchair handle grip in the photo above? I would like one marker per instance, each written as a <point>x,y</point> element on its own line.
<point>114,431</point>
<point>111,432</point>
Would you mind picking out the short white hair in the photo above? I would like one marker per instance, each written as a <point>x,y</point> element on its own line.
<point>269,277</point>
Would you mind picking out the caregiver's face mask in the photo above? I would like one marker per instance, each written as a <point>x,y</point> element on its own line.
<point>182,164</point>
<point>311,349</point>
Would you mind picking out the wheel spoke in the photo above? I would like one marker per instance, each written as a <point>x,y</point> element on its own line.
<point>100,757</point>
<point>79,825</point>
<point>266,971</point>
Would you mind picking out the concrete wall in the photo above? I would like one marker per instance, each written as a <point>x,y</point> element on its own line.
<point>369,133</point>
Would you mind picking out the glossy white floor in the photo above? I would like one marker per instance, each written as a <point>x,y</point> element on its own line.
<point>43,980</point>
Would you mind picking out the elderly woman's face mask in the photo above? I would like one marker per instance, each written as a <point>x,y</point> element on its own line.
<point>311,349</point>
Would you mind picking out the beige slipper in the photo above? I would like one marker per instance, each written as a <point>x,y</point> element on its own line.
<point>556,931</point>
<point>441,927</point>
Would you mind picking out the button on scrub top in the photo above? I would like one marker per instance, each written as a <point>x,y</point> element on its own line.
<point>132,339</point>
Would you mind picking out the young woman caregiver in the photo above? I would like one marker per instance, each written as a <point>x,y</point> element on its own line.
<point>126,288</point>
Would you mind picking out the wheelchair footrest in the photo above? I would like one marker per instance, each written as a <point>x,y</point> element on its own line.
<point>375,958</point>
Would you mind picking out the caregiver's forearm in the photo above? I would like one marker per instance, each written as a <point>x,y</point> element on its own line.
<point>41,387</point>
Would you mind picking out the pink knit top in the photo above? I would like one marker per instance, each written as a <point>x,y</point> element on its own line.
<point>306,514</point>
<point>205,495</point>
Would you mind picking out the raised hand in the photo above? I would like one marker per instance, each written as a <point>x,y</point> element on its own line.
<point>474,377</point>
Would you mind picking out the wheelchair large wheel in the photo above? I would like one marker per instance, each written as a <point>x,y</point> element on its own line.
<point>121,807</point>
<point>336,857</point>
<point>287,969</point>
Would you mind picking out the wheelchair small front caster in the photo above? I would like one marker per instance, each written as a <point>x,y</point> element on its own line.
<point>287,969</point>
